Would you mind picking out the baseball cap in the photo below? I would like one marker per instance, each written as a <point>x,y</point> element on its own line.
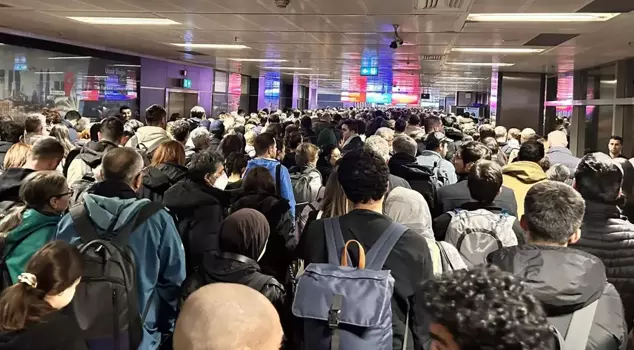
<point>435,139</point>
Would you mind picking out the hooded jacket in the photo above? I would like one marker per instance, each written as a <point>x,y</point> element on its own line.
<point>566,280</point>
<point>10,185</point>
<point>4,148</point>
<point>286,188</point>
<point>198,210</point>
<point>562,155</point>
<point>56,331</point>
<point>87,158</point>
<point>157,248</point>
<point>148,138</point>
<point>606,234</point>
<point>419,177</point>
<point>520,177</point>
<point>39,228</point>
<point>157,180</point>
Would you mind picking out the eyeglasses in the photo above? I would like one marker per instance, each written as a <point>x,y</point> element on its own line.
<point>69,193</point>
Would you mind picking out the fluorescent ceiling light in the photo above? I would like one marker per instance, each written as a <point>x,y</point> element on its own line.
<point>258,60</point>
<point>480,64</point>
<point>212,46</point>
<point>125,21</point>
<point>57,73</point>
<point>540,17</point>
<point>361,33</point>
<point>310,74</point>
<point>126,65</point>
<point>70,58</point>
<point>460,78</point>
<point>288,68</point>
<point>496,50</point>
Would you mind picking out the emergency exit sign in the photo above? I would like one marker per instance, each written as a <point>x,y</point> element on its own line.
<point>186,83</point>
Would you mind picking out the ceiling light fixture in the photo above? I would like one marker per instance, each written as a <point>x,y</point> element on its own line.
<point>70,58</point>
<point>126,65</point>
<point>495,50</point>
<point>480,64</point>
<point>272,60</point>
<point>56,73</point>
<point>541,17</point>
<point>309,74</point>
<point>125,21</point>
<point>288,68</point>
<point>212,46</point>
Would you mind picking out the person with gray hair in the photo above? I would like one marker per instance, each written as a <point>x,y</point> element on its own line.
<point>380,146</point>
<point>387,134</point>
<point>155,242</point>
<point>558,153</point>
<point>403,164</point>
<point>559,173</point>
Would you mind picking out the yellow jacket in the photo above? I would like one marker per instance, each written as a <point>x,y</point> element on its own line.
<point>520,177</point>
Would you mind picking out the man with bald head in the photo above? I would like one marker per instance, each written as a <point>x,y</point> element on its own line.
<point>559,152</point>
<point>223,316</point>
<point>155,242</point>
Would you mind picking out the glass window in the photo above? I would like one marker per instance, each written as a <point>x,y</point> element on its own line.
<point>220,82</point>
<point>598,128</point>
<point>32,79</point>
<point>220,104</point>
<point>602,82</point>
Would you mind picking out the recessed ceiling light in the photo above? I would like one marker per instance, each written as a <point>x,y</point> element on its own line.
<point>540,17</point>
<point>496,50</point>
<point>258,60</point>
<point>70,58</point>
<point>288,68</point>
<point>125,21</point>
<point>212,46</point>
<point>480,64</point>
<point>126,65</point>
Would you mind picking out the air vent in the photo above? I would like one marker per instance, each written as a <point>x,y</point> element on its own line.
<point>613,6</point>
<point>442,5</point>
<point>550,39</point>
<point>193,53</point>
<point>431,57</point>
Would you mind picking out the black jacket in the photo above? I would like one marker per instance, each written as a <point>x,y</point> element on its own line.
<point>289,160</point>
<point>566,280</point>
<point>325,169</point>
<point>355,143</point>
<point>419,177</point>
<point>4,148</point>
<point>56,331</point>
<point>454,196</point>
<point>10,185</point>
<point>158,179</point>
<point>441,223</point>
<point>409,262</point>
<point>610,237</point>
<point>198,211</point>
<point>91,153</point>
<point>309,136</point>
<point>282,240</point>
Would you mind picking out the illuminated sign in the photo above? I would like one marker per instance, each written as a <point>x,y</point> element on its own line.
<point>186,83</point>
<point>369,71</point>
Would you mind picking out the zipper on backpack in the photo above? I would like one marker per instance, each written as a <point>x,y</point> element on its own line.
<point>116,319</point>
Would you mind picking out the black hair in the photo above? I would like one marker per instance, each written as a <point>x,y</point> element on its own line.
<point>241,111</point>
<point>351,124</point>
<point>180,130</point>
<point>306,122</point>
<point>617,138</point>
<point>155,114</point>
<point>230,144</point>
<point>276,129</point>
<point>553,211</point>
<point>95,128</point>
<point>274,118</point>
<point>11,131</point>
<point>263,142</point>
<point>294,139</point>
<point>531,151</point>
<point>473,151</point>
<point>491,144</point>
<point>414,120</point>
<point>123,108</point>
<point>363,175</point>
<point>203,163</point>
<point>361,126</point>
<point>598,178</point>
<point>72,115</point>
<point>235,163</point>
<point>33,123</point>
<point>486,308</point>
<point>111,129</point>
<point>484,181</point>
<point>259,180</point>
<point>400,125</point>
<point>486,130</point>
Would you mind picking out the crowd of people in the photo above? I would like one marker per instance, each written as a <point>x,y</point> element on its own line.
<point>330,229</point>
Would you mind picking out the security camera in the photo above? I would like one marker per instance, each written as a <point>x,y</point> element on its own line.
<point>397,42</point>
<point>282,3</point>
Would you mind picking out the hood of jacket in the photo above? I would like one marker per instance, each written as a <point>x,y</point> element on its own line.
<point>527,172</point>
<point>557,149</point>
<point>405,166</point>
<point>33,220</point>
<point>267,204</point>
<point>187,194</point>
<point>270,164</point>
<point>150,137</point>
<point>10,183</point>
<point>221,268</point>
<point>163,176</point>
<point>92,152</point>
<point>107,201</point>
<point>563,279</point>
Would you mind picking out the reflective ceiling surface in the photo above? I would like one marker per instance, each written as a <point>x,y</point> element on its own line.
<point>332,39</point>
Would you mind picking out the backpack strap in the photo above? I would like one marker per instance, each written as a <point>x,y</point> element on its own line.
<point>278,179</point>
<point>579,329</point>
<point>142,215</point>
<point>375,258</point>
<point>83,225</point>
<point>444,258</point>
<point>334,240</point>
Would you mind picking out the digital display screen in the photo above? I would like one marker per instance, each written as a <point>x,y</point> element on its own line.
<point>405,99</point>
<point>378,98</point>
<point>347,96</point>
<point>235,84</point>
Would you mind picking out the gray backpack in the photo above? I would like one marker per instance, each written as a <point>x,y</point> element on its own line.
<point>346,307</point>
<point>573,330</point>
<point>301,186</point>
<point>479,232</point>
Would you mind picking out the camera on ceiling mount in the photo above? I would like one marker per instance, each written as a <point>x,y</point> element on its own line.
<point>282,3</point>
<point>398,41</point>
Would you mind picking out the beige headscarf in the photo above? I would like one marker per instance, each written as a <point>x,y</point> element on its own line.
<point>409,208</point>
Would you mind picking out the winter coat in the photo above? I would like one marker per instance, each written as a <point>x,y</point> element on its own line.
<point>10,182</point>
<point>562,155</point>
<point>286,188</point>
<point>82,161</point>
<point>148,138</point>
<point>419,177</point>
<point>157,180</point>
<point>566,280</point>
<point>56,331</point>
<point>520,177</point>
<point>610,237</point>
<point>156,245</point>
<point>455,196</point>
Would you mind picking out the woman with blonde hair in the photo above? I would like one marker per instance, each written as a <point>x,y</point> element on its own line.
<point>166,169</point>
<point>16,156</point>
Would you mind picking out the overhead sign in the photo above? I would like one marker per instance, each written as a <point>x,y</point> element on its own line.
<point>369,71</point>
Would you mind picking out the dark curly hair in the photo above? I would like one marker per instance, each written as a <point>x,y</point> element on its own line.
<point>486,308</point>
<point>363,175</point>
<point>235,163</point>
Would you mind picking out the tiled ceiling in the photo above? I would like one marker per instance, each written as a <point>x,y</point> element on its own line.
<point>332,36</point>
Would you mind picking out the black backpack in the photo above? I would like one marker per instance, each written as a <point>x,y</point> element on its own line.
<point>105,303</point>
